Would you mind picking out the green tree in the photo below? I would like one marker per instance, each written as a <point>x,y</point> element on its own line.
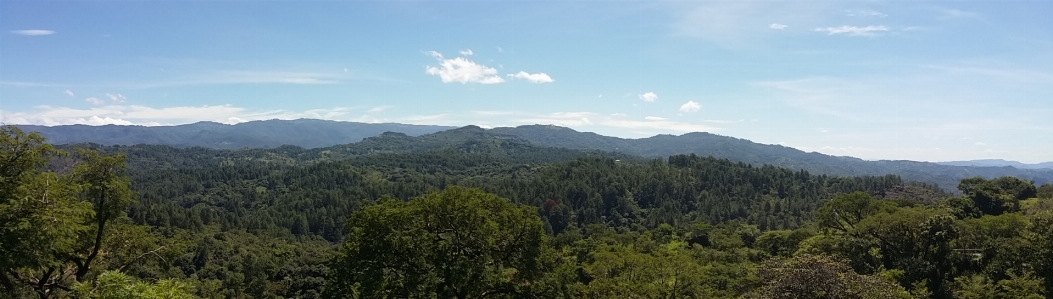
<point>843,212</point>
<point>459,243</point>
<point>999,195</point>
<point>1045,191</point>
<point>117,285</point>
<point>53,227</point>
<point>820,277</point>
<point>41,217</point>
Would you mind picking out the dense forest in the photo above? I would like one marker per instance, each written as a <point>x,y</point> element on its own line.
<point>473,215</point>
<point>318,136</point>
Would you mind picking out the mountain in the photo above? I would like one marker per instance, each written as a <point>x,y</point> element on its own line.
<point>999,163</point>
<point>308,133</point>
<point>736,149</point>
<point>319,139</point>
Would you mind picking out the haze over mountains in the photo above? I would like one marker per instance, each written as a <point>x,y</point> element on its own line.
<point>308,133</point>
<point>999,163</point>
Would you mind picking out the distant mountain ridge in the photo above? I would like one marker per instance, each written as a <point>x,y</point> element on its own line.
<point>402,138</point>
<point>307,133</point>
<point>999,163</point>
<point>736,149</point>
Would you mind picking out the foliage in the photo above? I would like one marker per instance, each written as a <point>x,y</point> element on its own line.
<point>116,285</point>
<point>293,222</point>
<point>458,243</point>
<point>817,276</point>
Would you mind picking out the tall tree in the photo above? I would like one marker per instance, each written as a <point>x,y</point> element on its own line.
<point>53,227</point>
<point>459,243</point>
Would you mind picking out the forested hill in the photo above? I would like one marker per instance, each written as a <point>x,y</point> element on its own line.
<point>309,133</point>
<point>742,150</point>
<point>462,212</point>
<point>318,139</point>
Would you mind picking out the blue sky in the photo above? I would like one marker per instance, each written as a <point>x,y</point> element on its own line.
<point>929,81</point>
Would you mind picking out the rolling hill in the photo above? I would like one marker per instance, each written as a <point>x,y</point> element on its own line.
<point>350,139</point>
<point>307,133</point>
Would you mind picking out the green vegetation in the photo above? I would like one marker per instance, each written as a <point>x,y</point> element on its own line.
<point>470,216</point>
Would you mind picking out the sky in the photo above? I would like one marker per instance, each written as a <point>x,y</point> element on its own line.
<point>878,80</point>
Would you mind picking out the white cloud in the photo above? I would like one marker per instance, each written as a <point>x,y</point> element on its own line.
<point>662,125</point>
<point>616,121</point>
<point>116,98</point>
<point>95,101</point>
<point>864,13</point>
<point>777,26</point>
<point>853,30</point>
<point>147,116</point>
<point>462,70</point>
<point>648,97</point>
<point>536,78</point>
<point>99,121</point>
<point>467,52</point>
<point>690,106</point>
<point>70,93</point>
<point>379,109</point>
<point>33,32</point>
<point>980,143</point>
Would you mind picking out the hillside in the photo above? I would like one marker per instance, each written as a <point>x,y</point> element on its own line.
<point>736,149</point>
<point>308,133</point>
<point>318,139</point>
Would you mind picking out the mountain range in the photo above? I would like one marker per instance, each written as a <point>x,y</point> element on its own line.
<point>308,133</point>
<point>999,163</point>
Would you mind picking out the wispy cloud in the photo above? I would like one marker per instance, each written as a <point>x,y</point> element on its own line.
<point>95,101</point>
<point>462,70</point>
<point>116,98</point>
<point>33,32</point>
<point>70,93</point>
<point>853,30</point>
<point>535,78</point>
<point>152,116</point>
<point>648,96</point>
<point>690,106</point>
<point>865,13</point>
<point>216,77</point>
<point>738,24</point>
<point>467,52</point>
<point>999,73</point>
<point>379,109</point>
<point>614,122</point>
